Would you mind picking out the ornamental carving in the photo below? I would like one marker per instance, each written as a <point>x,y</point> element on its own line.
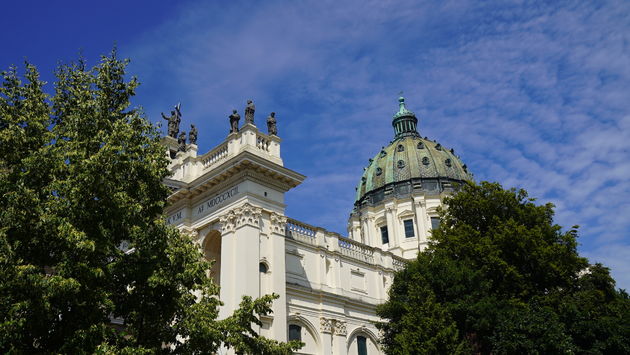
<point>240,216</point>
<point>326,325</point>
<point>278,223</point>
<point>333,326</point>
<point>340,328</point>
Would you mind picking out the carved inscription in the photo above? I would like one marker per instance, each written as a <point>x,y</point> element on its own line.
<point>175,217</point>
<point>209,205</point>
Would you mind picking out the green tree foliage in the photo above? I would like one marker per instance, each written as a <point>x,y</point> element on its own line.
<point>499,277</point>
<point>80,173</point>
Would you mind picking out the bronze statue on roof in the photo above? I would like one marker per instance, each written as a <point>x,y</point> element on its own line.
<point>173,121</point>
<point>272,129</point>
<point>234,118</point>
<point>249,112</point>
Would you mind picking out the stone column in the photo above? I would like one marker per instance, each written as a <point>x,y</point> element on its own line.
<point>326,327</point>
<point>420,210</point>
<point>240,255</point>
<point>277,230</point>
<point>339,338</point>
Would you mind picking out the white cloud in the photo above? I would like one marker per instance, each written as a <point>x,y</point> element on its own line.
<point>534,97</point>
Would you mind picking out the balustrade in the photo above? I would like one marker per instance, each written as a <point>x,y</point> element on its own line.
<point>212,157</point>
<point>262,142</point>
<point>300,231</point>
<point>356,250</point>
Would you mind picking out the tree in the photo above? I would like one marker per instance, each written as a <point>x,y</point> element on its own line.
<point>80,174</point>
<point>505,280</point>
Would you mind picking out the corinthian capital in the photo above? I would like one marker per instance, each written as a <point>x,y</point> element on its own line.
<point>278,223</point>
<point>248,215</point>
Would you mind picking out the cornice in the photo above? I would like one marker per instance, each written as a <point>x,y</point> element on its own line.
<point>253,165</point>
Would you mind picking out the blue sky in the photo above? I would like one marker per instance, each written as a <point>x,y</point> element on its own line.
<point>529,94</point>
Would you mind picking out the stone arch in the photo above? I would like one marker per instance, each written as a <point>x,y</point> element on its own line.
<point>373,347</point>
<point>312,344</point>
<point>211,247</point>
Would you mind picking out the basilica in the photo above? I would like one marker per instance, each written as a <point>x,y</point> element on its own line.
<point>231,200</point>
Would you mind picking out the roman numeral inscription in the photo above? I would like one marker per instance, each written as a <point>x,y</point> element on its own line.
<point>214,202</point>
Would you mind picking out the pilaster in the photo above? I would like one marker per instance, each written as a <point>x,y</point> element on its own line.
<point>277,227</point>
<point>240,255</point>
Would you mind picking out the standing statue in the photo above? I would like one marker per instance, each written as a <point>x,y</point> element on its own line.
<point>182,141</point>
<point>249,112</point>
<point>192,136</point>
<point>234,118</point>
<point>173,121</point>
<point>271,125</point>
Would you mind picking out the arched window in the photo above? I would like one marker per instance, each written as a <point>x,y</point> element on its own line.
<point>361,345</point>
<point>212,252</point>
<point>295,332</point>
<point>262,267</point>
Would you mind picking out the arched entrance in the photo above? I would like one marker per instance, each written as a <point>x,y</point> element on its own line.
<point>212,252</point>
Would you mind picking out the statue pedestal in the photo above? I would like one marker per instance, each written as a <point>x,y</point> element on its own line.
<point>171,146</point>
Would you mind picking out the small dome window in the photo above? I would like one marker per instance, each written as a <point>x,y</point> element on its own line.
<point>401,148</point>
<point>379,171</point>
<point>401,164</point>
<point>383,153</point>
<point>448,162</point>
<point>438,146</point>
<point>363,179</point>
<point>425,161</point>
<point>263,268</point>
<point>420,145</point>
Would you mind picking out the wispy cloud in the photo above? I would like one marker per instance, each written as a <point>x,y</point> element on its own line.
<point>532,95</point>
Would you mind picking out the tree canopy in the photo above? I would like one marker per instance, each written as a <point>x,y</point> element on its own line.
<point>499,277</point>
<point>80,175</point>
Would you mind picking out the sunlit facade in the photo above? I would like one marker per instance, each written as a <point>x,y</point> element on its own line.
<point>231,200</point>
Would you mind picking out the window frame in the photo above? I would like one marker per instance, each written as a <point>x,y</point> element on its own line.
<point>361,340</point>
<point>384,234</point>
<point>409,228</point>
<point>435,225</point>
<point>299,332</point>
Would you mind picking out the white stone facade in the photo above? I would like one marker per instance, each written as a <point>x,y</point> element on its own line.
<point>232,200</point>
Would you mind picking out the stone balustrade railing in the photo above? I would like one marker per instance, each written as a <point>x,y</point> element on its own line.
<point>352,249</point>
<point>398,262</point>
<point>300,231</point>
<point>214,156</point>
<point>262,142</point>
<point>356,250</point>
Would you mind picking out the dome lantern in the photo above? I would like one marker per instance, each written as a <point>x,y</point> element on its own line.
<point>405,122</point>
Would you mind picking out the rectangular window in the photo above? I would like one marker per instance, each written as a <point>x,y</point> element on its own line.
<point>295,332</point>
<point>384,235</point>
<point>409,228</point>
<point>435,222</point>
<point>361,345</point>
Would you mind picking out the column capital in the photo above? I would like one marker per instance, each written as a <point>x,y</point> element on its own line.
<point>326,325</point>
<point>278,223</point>
<point>246,214</point>
<point>340,328</point>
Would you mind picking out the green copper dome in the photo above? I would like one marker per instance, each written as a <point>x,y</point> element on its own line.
<point>409,163</point>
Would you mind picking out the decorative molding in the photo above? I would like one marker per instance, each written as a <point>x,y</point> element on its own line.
<point>240,216</point>
<point>333,326</point>
<point>278,223</point>
<point>326,325</point>
<point>340,328</point>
